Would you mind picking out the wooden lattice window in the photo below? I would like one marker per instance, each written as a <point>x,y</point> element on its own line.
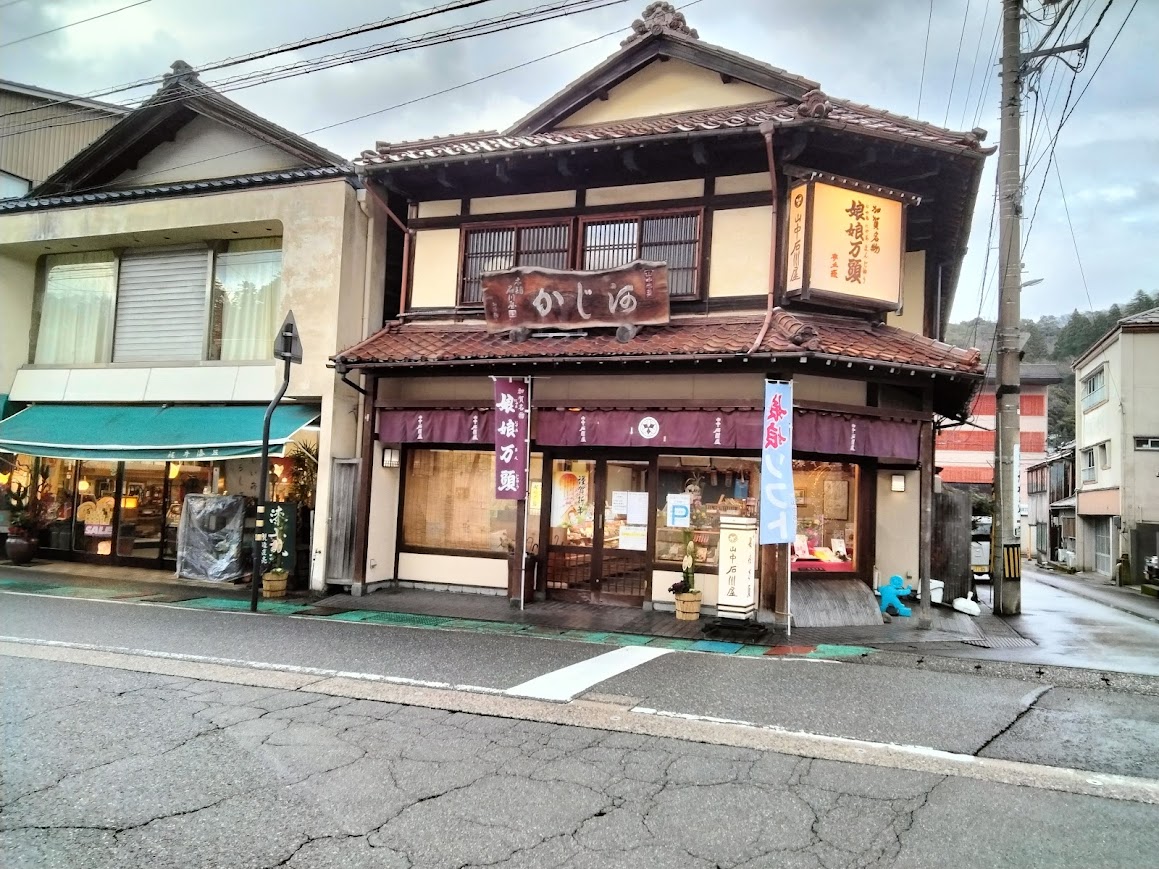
<point>669,238</point>
<point>493,248</point>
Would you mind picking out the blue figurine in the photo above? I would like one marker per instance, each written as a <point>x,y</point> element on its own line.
<point>891,596</point>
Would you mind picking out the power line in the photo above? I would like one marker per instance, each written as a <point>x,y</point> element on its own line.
<point>1099,65</point>
<point>985,86</point>
<point>957,57</point>
<point>925,54</point>
<point>73,24</point>
<point>508,21</point>
<point>974,65</point>
<point>403,104</point>
<point>309,42</point>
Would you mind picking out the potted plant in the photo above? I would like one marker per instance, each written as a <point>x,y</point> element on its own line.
<point>276,555</point>
<point>685,591</point>
<point>25,523</point>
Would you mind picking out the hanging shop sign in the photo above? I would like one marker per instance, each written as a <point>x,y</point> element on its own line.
<point>778,505</point>
<point>845,243</point>
<point>527,297</point>
<point>512,428</point>
<point>736,587</point>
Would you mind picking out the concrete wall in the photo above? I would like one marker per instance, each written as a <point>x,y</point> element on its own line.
<point>17,282</point>
<point>1104,422</point>
<point>205,148</point>
<point>662,88</point>
<point>898,520</point>
<point>739,258</point>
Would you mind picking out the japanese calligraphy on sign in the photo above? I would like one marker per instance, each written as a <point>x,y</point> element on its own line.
<point>845,243</point>
<point>530,297</point>
<point>512,425</point>
<point>736,588</point>
<point>778,516</point>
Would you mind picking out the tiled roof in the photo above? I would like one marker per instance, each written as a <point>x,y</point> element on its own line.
<point>698,336</point>
<point>815,108</point>
<point>1143,318</point>
<point>217,185</point>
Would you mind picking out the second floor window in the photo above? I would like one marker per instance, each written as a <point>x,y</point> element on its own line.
<point>670,238</point>
<point>1089,474</point>
<point>1094,389</point>
<point>168,304</point>
<point>490,249</point>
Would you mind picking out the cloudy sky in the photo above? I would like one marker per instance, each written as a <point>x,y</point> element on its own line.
<point>1107,153</point>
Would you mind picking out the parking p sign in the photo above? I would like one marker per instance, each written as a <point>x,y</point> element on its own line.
<point>679,510</point>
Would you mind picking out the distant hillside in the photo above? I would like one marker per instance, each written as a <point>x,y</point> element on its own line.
<point>1054,339</point>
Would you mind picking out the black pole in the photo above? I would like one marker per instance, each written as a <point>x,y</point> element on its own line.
<point>263,480</point>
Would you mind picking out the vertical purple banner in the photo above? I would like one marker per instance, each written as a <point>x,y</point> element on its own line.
<point>778,502</point>
<point>512,428</point>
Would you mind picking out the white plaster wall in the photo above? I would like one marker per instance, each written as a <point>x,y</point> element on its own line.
<point>382,543</point>
<point>913,294</point>
<point>453,570</point>
<point>898,521</point>
<point>1104,422</point>
<point>663,579</point>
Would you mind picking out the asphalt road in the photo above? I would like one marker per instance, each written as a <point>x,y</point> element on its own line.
<point>1007,718</point>
<point>111,767</point>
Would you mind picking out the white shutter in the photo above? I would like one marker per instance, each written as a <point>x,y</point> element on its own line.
<point>161,305</point>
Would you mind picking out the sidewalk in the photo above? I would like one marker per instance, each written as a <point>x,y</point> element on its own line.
<point>951,631</point>
<point>1101,589</point>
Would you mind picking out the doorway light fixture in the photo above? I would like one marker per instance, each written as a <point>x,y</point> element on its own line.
<point>391,457</point>
<point>897,483</point>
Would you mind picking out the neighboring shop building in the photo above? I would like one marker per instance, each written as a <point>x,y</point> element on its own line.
<point>142,284</point>
<point>1117,446</point>
<point>657,154</point>
<point>1051,486</point>
<point>966,452</point>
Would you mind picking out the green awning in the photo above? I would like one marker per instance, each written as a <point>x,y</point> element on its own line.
<point>150,432</point>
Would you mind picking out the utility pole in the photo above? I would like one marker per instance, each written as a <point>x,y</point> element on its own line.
<point>1005,553</point>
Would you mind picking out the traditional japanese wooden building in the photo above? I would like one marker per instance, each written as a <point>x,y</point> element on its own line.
<point>797,237</point>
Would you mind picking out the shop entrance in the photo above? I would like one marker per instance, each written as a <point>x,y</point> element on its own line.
<point>599,530</point>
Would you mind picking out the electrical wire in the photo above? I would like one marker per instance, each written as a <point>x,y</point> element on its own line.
<point>309,42</point>
<point>499,24</point>
<point>72,24</point>
<point>618,31</point>
<point>925,54</point>
<point>974,65</point>
<point>957,57</point>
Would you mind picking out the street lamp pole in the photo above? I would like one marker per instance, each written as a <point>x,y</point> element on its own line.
<point>288,348</point>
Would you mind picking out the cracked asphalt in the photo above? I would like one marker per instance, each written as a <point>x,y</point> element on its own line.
<point>106,767</point>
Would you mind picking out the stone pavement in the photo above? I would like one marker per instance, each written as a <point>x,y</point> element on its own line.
<point>115,768</point>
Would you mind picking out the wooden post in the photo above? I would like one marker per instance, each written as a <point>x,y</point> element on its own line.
<point>362,497</point>
<point>925,520</point>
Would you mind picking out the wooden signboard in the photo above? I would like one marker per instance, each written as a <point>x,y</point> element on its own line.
<point>528,298</point>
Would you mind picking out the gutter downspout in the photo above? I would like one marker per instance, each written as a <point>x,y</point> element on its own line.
<point>767,130</point>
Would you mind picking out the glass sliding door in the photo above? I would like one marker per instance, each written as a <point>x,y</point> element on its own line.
<point>97,490</point>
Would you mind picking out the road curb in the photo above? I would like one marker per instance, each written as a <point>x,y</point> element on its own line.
<point>1078,590</point>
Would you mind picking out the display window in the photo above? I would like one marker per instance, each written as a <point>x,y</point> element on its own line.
<point>449,503</point>
<point>716,486</point>
<point>826,495</point>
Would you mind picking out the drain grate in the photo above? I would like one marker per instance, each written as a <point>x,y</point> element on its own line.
<point>1001,643</point>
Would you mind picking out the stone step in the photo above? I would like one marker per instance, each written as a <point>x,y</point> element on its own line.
<point>1151,589</point>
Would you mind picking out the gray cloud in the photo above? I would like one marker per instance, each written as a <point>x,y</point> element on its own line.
<point>868,52</point>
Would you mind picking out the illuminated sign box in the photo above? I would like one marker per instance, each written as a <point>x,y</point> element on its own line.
<point>845,242</point>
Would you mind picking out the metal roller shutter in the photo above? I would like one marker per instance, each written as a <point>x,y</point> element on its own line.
<point>161,305</point>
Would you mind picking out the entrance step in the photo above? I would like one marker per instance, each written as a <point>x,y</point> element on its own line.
<point>1150,589</point>
<point>826,603</point>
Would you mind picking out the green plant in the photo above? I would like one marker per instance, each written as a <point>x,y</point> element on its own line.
<point>687,568</point>
<point>29,507</point>
<point>303,472</point>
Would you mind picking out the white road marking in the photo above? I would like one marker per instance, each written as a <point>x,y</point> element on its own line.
<point>603,716</point>
<point>564,684</point>
<point>320,672</point>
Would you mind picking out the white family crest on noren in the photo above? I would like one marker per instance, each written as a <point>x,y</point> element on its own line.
<point>648,427</point>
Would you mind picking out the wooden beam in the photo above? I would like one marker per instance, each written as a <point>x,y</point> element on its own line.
<point>925,521</point>
<point>362,496</point>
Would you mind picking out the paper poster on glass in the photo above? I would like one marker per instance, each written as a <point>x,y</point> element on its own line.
<point>778,514</point>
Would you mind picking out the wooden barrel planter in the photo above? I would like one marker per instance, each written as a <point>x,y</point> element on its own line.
<point>274,584</point>
<point>688,606</point>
